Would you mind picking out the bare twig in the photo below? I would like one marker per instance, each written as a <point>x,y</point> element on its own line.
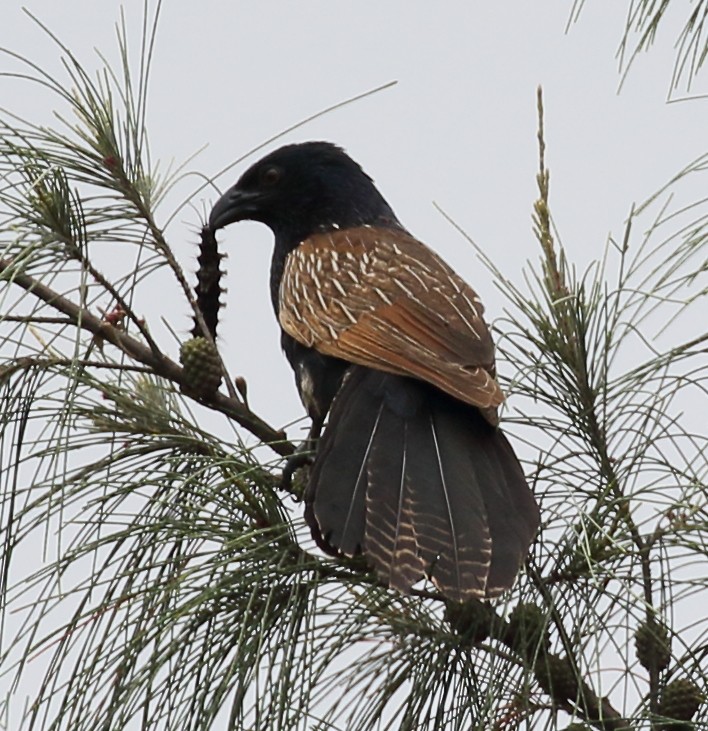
<point>161,366</point>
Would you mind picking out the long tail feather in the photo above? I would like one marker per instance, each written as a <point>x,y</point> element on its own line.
<point>421,484</point>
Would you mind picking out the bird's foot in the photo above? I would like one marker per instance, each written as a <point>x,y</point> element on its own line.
<point>301,457</point>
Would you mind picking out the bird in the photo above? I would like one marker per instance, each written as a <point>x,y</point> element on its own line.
<point>395,366</point>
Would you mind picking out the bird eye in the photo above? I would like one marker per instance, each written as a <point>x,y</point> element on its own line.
<point>271,176</point>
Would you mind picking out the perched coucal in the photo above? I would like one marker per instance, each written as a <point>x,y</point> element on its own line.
<point>389,345</point>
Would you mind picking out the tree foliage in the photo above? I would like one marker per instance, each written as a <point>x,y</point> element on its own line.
<point>646,19</point>
<point>175,586</point>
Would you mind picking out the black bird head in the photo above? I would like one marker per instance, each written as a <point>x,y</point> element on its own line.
<point>301,189</point>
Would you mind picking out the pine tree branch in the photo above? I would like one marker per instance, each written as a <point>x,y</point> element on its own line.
<point>578,357</point>
<point>579,699</point>
<point>160,364</point>
<point>556,675</point>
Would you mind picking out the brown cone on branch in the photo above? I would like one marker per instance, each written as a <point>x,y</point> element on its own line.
<point>653,645</point>
<point>557,677</point>
<point>680,700</point>
<point>472,619</point>
<point>202,367</point>
<point>527,630</point>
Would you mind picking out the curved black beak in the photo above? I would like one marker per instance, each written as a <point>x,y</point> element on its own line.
<point>234,205</point>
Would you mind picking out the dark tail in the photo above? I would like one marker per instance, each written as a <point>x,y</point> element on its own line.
<point>421,485</point>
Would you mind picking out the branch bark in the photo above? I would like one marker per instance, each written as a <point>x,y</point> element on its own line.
<point>158,363</point>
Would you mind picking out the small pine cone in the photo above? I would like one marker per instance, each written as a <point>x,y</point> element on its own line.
<point>472,620</point>
<point>653,645</point>
<point>680,700</point>
<point>527,632</point>
<point>556,677</point>
<point>202,368</point>
<point>578,727</point>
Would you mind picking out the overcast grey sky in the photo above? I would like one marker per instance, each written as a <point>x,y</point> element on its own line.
<point>459,128</point>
